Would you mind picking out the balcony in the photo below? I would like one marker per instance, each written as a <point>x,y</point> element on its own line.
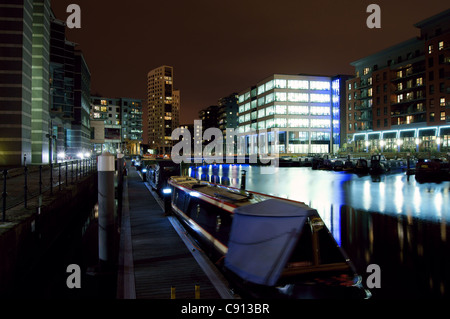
<point>365,105</point>
<point>410,74</point>
<point>409,100</point>
<point>363,96</point>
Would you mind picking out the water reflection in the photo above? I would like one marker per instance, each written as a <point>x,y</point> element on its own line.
<point>398,224</point>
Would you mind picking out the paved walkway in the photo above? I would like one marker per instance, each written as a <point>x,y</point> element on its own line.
<point>153,258</point>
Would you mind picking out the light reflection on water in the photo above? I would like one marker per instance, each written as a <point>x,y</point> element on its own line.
<point>392,194</point>
<point>398,224</point>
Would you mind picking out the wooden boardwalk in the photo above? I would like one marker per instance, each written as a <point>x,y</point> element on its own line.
<point>160,258</point>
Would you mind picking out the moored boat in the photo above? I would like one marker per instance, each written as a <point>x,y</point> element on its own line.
<point>270,247</point>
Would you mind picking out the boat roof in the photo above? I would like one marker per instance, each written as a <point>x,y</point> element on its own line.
<point>276,208</point>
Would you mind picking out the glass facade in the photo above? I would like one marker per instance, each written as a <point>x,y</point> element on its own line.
<point>302,111</point>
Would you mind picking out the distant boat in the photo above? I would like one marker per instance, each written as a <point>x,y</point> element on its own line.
<point>378,165</point>
<point>432,170</point>
<point>361,167</point>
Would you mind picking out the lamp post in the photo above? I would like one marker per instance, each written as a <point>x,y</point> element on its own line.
<point>51,137</point>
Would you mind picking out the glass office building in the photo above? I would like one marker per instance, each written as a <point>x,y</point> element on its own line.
<point>301,111</point>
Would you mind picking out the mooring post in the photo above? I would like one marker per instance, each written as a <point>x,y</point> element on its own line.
<point>243,178</point>
<point>120,171</point>
<point>106,210</point>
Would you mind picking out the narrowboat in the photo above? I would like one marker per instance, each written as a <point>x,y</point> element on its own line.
<point>378,165</point>
<point>158,173</point>
<point>268,247</point>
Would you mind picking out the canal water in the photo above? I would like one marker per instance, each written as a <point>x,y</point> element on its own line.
<point>398,224</point>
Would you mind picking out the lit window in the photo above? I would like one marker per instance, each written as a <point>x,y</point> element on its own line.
<point>298,109</point>
<point>261,89</point>
<point>280,122</point>
<point>269,98</point>
<point>298,84</point>
<point>430,49</point>
<point>298,123</point>
<point>298,97</point>
<point>280,84</point>
<point>442,101</point>
<point>280,96</point>
<point>366,71</point>
<point>261,101</point>
<point>320,98</point>
<point>441,45</point>
<point>269,85</point>
<point>319,85</point>
<point>270,110</point>
<point>280,109</point>
<point>442,116</point>
<point>261,113</point>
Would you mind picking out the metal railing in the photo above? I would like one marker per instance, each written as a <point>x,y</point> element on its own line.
<point>22,184</point>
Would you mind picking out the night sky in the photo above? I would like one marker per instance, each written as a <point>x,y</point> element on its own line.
<point>219,47</point>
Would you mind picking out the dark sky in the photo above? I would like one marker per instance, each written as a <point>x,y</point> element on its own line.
<point>218,47</point>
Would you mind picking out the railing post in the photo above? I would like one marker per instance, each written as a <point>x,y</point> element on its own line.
<point>76,170</point>
<point>67,168</point>
<point>40,179</point>
<point>51,178</point>
<point>59,176</point>
<point>71,174</point>
<point>5,173</point>
<point>25,187</point>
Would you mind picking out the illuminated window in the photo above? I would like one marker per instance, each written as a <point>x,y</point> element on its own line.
<point>104,102</point>
<point>298,109</point>
<point>298,84</point>
<point>280,109</point>
<point>261,113</point>
<point>442,116</point>
<point>320,98</point>
<point>430,49</point>
<point>261,125</point>
<point>298,123</point>
<point>261,89</point>
<point>442,101</point>
<point>270,110</point>
<point>441,45</point>
<point>298,97</point>
<point>280,122</point>
<point>280,84</point>
<point>366,71</point>
<point>319,123</point>
<point>319,85</point>
<point>280,96</point>
<point>241,98</point>
<point>320,110</point>
<point>269,98</point>
<point>247,106</point>
<point>270,123</point>
<point>261,101</point>
<point>269,85</point>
